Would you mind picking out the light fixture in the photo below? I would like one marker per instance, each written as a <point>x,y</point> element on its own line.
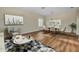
<point>71,7</point>
<point>43,7</point>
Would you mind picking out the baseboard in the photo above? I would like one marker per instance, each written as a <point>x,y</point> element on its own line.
<point>23,33</point>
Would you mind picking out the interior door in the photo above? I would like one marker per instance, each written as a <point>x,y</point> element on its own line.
<point>77,32</point>
<point>2,46</point>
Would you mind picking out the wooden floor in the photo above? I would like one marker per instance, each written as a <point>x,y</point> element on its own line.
<point>59,42</point>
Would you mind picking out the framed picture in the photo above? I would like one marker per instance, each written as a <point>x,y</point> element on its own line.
<point>13,20</point>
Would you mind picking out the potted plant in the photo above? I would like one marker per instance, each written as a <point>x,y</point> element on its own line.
<point>73,27</point>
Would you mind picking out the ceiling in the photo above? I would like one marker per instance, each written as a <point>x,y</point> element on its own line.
<point>45,11</point>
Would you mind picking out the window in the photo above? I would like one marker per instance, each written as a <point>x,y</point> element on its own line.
<point>54,23</point>
<point>40,22</point>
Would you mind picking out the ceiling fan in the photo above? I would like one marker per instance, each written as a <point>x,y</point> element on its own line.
<point>43,7</point>
<point>71,7</point>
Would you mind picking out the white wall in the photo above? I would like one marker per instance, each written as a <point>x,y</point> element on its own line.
<point>30,18</point>
<point>66,18</point>
<point>77,21</point>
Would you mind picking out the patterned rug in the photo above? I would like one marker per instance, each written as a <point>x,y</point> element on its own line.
<point>32,46</point>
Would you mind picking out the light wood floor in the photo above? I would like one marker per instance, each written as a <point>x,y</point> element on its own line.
<point>59,42</point>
